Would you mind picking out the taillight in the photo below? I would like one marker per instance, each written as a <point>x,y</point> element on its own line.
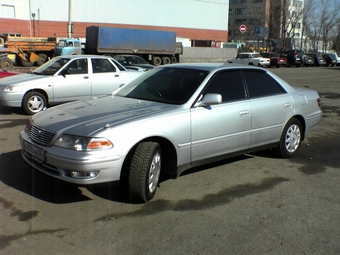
<point>319,102</point>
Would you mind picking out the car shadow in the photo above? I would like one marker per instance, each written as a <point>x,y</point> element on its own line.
<point>5,110</point>
<point>20,176</point>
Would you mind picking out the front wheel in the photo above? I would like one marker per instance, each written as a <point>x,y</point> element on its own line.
<point>290,141</point>
<point>42,59</point>
<point>34,102</point>
<point>145,170</point>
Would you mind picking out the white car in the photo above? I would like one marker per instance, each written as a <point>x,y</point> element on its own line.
<point>64,79</point>
<point>250,58</point>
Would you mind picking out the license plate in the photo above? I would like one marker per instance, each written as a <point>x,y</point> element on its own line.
<point>37,153</point>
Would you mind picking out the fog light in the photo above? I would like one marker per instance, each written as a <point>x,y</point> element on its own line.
<point>83,175</point>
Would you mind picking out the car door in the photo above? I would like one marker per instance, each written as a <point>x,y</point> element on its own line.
<point>226,127</point>
<point>106,77</point>
<point>271,107</point>
<point>73,82</point>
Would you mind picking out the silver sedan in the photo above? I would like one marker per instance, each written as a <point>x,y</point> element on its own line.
<point>64,79</point>
<point>168,120</point>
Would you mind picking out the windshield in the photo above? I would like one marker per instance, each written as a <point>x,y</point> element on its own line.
<point>165,84</point>
<point>52,66</point>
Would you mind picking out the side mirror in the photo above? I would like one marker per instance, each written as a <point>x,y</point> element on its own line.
<point>209,99</point>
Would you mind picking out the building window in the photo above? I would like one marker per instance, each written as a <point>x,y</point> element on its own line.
<point>240,21</point>
<point>230,11</point>
<point>237,1</point>
<point>256,1</point>
<point>298,25</point>
<point>239,11</point>
<point>7,11</point>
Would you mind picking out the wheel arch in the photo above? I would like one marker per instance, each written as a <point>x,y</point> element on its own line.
<point>35,90</point>
<point>169,157</point>
<point>303,124</point>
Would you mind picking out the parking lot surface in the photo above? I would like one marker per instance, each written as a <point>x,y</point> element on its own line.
<point>252,204</point>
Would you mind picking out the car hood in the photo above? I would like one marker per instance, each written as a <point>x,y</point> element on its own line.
<point>22,79</point>
<point>84,118</point>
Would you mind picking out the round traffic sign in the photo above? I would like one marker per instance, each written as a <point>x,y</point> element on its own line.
<point>243,28</point>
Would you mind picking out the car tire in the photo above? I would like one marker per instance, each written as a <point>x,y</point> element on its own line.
<point>144,173</point>
<point>34,102</point>
<point>291,138</point>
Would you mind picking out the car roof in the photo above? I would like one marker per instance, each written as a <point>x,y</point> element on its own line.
<point>83,56</point>
<point>210,66</point>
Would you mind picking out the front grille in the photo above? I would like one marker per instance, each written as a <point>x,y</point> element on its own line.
<point>41,136</point>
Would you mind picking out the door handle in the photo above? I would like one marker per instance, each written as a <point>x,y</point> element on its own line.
<point>116,75</point>
<point>288,105</point>
<point>244,113</point>
<point>86,77</point>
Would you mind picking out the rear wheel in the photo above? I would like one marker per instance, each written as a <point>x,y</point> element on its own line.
<point>156,61</point>
<point>290,141</point>
<point>34,102</point>
<point>166,60</point>
<point>145,171</point>
<point>42,59</point>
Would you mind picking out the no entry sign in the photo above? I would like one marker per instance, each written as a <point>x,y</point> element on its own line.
<point>243,28</point>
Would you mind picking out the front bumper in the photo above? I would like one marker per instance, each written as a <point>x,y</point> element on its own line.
<point>59,162</point>
<point>11,99</point>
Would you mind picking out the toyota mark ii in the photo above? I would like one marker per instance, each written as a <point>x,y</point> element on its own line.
<point>168,120</point>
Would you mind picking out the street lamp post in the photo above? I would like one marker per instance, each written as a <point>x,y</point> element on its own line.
<point>33,16</point>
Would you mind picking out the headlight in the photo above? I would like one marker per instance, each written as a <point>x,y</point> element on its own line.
<point>9,89</point>
<point>83,143</point>
<point>28,126</point>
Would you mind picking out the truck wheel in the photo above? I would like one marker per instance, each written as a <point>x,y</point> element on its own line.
<point>166,60</point>
<point>156,61</point>
<point>42,59</point>
<point>173,60</point>
<point>34,102</point>
<point>145,170</point>
<point>6,63</point>
<point>26,63</point>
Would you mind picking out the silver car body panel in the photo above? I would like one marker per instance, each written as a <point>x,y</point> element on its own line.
<point>61,88</point>
<point>197,134</point>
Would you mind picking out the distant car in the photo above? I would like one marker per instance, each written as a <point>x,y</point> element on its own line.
<point>132,62</point>
<point>292,58</point>
<point>64,79</point>
<point>6,73</point>
<point>250,58</point>
<point>169,119</point>
<point>306,59</point>
<point>318,59</point>
<point>330,59</point>
<point>275,59</point>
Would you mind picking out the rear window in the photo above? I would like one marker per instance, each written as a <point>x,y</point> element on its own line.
<point>261,84</point>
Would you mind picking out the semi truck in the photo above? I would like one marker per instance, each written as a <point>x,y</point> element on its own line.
<point>27,50</point>
<point>156,47</point>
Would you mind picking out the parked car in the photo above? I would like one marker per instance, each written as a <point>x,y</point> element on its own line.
<point>330,59</point>
<point>132,62</point>
<point>318,59</point>
<point>275,59</point>
<point>306,59</point>
<point>6,73</point>
<point>169,119</point>
<point>250,58</point>
<point>64,79</point>
<point>292,58</point>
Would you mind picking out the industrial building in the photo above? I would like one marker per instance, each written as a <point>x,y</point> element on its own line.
<point>196,22</point>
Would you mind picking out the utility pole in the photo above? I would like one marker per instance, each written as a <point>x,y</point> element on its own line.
<point>69,25</point>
